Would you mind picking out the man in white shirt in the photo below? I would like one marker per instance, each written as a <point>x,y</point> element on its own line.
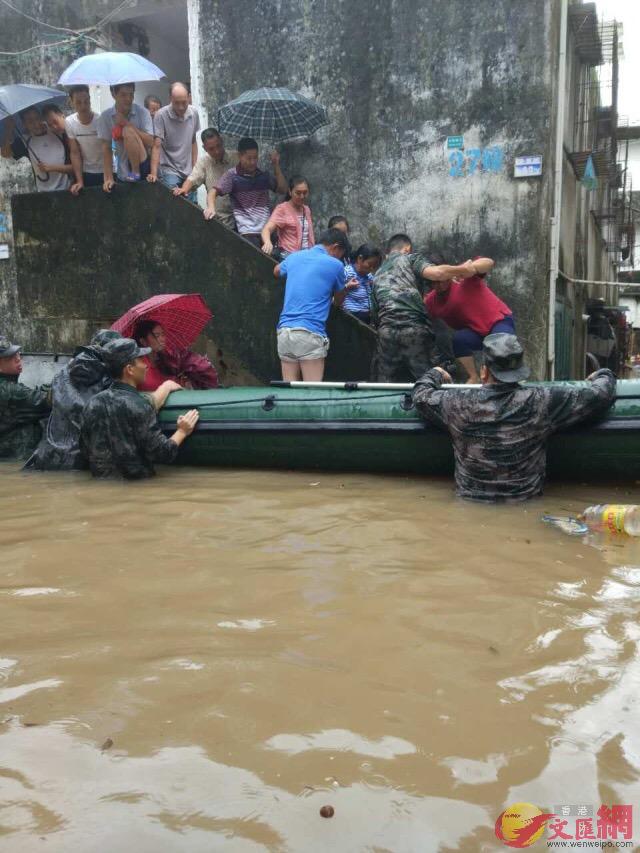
<point>84,145</point>
<point>46,150</point>
<point>175,151</point>
<point>126,132</point>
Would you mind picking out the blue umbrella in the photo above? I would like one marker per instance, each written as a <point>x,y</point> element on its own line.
<point>18,96</point>
<point>110,68</point>
<point>277,115</point>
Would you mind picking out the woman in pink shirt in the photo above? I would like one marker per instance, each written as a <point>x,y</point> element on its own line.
<point>292,222</point>
<point>472,309</point>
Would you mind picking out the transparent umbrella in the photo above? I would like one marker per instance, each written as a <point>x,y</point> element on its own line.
<point>110,68</point>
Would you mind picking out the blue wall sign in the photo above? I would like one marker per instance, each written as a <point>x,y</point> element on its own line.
<point>527,167</point>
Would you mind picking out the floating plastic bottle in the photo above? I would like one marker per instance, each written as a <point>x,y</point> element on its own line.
<point>567,523</point>
<point>613,518</point>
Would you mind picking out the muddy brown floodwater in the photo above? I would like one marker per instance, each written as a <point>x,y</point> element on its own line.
<point>202,662</point>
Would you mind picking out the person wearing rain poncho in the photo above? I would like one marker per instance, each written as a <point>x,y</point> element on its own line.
<point>72,388</point>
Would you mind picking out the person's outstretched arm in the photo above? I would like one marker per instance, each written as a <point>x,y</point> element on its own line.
<point>445,272</point>
<point>570,405</point>
<point>265,236</point>
<point>186,425</point>
<point>483,265</point>
<point>281,182</point>
<point>29,405</point>
<point>210,210</point>
<point>107,161</point>
<point>157,446</point>
<point>159,396</point>
<point>152,177</point>
<point>428,399</point>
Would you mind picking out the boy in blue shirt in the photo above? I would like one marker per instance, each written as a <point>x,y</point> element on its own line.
<point>315,278</point>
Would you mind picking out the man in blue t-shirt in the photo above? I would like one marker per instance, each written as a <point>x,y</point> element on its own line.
<point>314,277</point>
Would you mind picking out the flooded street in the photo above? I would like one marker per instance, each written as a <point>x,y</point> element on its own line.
<point>201,662</point>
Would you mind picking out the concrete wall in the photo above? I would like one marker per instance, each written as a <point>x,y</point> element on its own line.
<point>398,77</point>
<point>82,262</point>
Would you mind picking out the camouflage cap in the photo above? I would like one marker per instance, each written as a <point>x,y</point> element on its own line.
<point>103,336</point>
<point>504,356</point>
<point>122,351</point>
<point>7,349</point>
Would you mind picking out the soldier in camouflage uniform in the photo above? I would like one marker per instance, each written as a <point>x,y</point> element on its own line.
<point>500,431</point>
<point>406,342</point>
<point>21,408</point>
<point>72,388</point>
<point>119,433</point>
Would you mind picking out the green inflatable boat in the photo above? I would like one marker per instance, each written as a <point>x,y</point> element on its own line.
<point>376,430</point>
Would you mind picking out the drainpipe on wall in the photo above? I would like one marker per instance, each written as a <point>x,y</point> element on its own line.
<point>554,237</point>
<point>195,71</point>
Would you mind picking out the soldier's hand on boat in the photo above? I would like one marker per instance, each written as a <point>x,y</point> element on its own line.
<point>209,212</point>
<point>187,422</point>
<point>170,385</point>
<point>446,376</point>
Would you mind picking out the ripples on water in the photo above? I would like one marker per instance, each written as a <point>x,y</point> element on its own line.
<point>201,662</point>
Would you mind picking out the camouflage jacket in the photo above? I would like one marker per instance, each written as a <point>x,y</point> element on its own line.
<point>120,436</point>
<point>499,432</point>
<point>21,410</point>
<point>72,388</point>
<point>397,292</point>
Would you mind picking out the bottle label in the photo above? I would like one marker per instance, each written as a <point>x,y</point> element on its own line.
<point>613,518</point>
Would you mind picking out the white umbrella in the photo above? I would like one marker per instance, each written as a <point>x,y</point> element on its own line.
<point>110,68</point>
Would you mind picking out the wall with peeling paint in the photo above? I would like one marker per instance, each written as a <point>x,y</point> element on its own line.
<point>398,78</point>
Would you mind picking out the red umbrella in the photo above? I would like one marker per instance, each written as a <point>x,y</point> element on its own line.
<point>182,315</point>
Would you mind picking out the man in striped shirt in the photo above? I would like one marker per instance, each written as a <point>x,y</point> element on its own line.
<point>248,188</point>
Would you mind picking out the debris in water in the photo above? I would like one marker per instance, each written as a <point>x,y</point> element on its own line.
<point>107,744</point>
<point>494,650</point>
<point>567,524</point>
<point>327,811</point>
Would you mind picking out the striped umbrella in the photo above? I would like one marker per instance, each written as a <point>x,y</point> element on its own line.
<point>182,315</point>
<point>276,115</point>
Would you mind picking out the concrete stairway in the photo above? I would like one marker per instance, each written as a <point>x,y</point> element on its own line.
<point>81,262</point>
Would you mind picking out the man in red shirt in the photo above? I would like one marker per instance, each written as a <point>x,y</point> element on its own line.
<point>472,309</point>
